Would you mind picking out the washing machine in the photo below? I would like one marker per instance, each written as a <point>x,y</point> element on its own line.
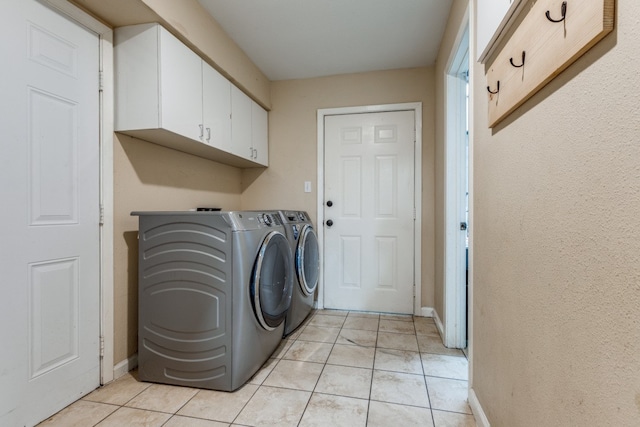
<point>214,292</point>
<point>306,257</point>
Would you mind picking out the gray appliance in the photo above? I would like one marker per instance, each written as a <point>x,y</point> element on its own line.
<point>306,255</point>
<point>214,290</point>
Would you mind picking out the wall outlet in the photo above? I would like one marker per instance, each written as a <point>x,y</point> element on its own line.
<point>307,186</point>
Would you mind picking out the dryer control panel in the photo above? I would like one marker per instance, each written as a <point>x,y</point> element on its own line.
<point>296,216</point>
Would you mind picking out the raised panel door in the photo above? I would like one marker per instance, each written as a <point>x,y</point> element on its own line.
<point>369,177</point>
<point>49,179</point>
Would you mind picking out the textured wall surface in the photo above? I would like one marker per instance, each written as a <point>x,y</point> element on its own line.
<point>293,142</point>
<point>556,278</point>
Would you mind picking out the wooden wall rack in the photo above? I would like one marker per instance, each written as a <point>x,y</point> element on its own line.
<point>552,35</point>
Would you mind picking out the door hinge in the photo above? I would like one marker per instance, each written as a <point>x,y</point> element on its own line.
<point>101,220</point>
<point>100,81</point>
<point>101,347</point>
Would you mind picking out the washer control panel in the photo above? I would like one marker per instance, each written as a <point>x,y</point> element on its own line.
<point>266,219</point>
<point>248,220</point>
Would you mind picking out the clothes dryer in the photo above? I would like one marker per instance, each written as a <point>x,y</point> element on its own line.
<point>306,257</point>
<point>214,291</point>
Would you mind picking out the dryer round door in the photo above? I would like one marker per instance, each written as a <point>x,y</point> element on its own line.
<point>308,260</point>
<point>272,281</point>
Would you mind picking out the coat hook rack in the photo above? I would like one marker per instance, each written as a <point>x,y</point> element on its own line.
<point>564,13</point>
<point>538,49</point>
<point>521,64</point>
<point>497,88</point>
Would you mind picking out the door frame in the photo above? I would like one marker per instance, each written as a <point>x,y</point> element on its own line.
<point>106,177</point>
<point>454,329</point>
<point>416,107</point>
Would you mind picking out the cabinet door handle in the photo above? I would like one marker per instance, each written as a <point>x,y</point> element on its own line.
<point>208,134</point>
<point>201,131</point>
<point>255,155</point>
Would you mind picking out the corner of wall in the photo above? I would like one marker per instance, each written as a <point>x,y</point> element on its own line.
<point>476,408</point>
<point>125,366</point>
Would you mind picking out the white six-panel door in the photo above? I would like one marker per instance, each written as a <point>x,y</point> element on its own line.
<point>49,250</point>
<point>369,183</point>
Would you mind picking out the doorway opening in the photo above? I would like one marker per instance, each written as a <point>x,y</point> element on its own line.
<point>456,193</point>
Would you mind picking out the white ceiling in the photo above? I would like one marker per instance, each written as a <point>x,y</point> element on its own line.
<point>295,39</point>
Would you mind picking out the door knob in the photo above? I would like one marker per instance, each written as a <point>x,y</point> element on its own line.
<point>329,223</point>
<point>463,226</point>
<point>329,203</point>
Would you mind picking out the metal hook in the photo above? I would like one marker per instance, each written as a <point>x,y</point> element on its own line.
<point>564,13</point>
<point>518,66</point>
<point>497,89</point>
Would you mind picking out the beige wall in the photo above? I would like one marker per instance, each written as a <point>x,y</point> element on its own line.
<point>556,324</point>
<point>293,142</point>
<point>150,177</point>
<point>456,19</point>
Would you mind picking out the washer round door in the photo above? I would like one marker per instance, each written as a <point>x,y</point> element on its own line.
<point>308,260</point>
<point>272,281</point>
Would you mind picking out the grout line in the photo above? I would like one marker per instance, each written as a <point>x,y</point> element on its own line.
<point>373,371</point>
<point>453,412</point>
<point>101,420</point>
<point>402,404</point>
<point>249,399</point>
<point>306,406</point>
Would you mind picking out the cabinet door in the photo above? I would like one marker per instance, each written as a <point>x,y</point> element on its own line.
<point>260,134</point>
<point>180,88</point>
<point>241,124</point>
<point>216,106</point>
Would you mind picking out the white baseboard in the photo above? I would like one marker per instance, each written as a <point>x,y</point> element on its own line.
<point>427,312</point>
<point>125,366</point>
<point>478,412</point>
<point>438,323</point>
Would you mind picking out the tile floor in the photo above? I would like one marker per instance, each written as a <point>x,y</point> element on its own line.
<point>338,369</point>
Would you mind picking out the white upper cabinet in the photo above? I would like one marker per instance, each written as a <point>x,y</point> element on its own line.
<point>249,128</point>
<point>166,94</point>
<point>260,134</point>
<point>241,124</point>
<point>180,88</point>
<point>216,104</point>
<point>493,16</point>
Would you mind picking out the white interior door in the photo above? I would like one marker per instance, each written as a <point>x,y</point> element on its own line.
<point>369,211</point>
<point>49,183</point>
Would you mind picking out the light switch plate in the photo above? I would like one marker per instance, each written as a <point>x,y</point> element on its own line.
<point>307,186</point>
